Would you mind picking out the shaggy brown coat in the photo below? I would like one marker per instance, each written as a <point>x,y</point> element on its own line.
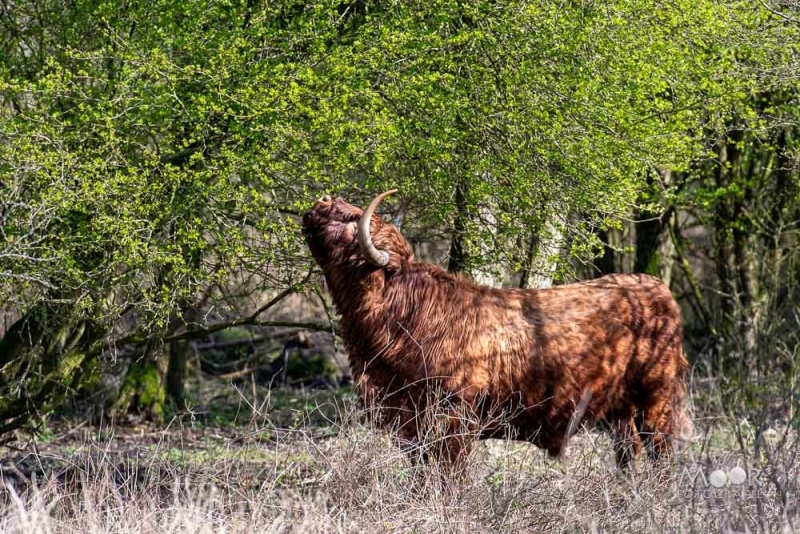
<point>604,351</point>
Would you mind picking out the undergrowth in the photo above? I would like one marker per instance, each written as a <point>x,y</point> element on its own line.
<point>323,467</point>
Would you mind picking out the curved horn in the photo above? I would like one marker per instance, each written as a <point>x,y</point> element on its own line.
<point>376,257</point>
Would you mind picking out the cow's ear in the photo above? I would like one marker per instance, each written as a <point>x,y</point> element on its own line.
<point>395,263</point>
<point>400,252</point>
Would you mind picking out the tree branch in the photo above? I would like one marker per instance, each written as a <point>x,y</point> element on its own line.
<point>200,331</point>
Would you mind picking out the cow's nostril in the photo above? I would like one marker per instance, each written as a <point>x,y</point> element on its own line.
<point>325,198</point>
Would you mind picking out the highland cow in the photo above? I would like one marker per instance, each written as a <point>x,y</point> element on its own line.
<point>602,352</point>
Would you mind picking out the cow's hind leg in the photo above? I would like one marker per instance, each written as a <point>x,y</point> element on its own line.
<point>626,440</point>
<point>661,423</point>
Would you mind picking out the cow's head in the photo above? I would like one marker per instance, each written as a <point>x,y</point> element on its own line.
<point>342,235</point>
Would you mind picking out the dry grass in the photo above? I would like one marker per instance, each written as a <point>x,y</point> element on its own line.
<point>333,472</point>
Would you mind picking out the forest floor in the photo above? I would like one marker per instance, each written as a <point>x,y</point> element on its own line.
<point>249,459</point>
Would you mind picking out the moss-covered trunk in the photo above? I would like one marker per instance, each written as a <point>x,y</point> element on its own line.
<point>143,390</point>
<point>46,355</point>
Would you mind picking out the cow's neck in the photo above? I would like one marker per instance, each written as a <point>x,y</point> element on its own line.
<point>358,297</point>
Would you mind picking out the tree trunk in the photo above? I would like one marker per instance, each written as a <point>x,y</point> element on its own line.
<point>46,357</point>
<point>530,256</point>
<point>655,251</point>
<point>176,373</point>
<point>458,258</point>
<point>23,336</point>
<point>461,253</point>
<point>607,263</point>
<point>723,251</point>
<point>485,275</point>
<point>748,303</point>
<point>143,390</point>
<point>545,248</point>
<point>735,251</point>
<point>784,195</point>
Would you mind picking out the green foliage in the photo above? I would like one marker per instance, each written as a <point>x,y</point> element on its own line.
<point>158,146</point>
